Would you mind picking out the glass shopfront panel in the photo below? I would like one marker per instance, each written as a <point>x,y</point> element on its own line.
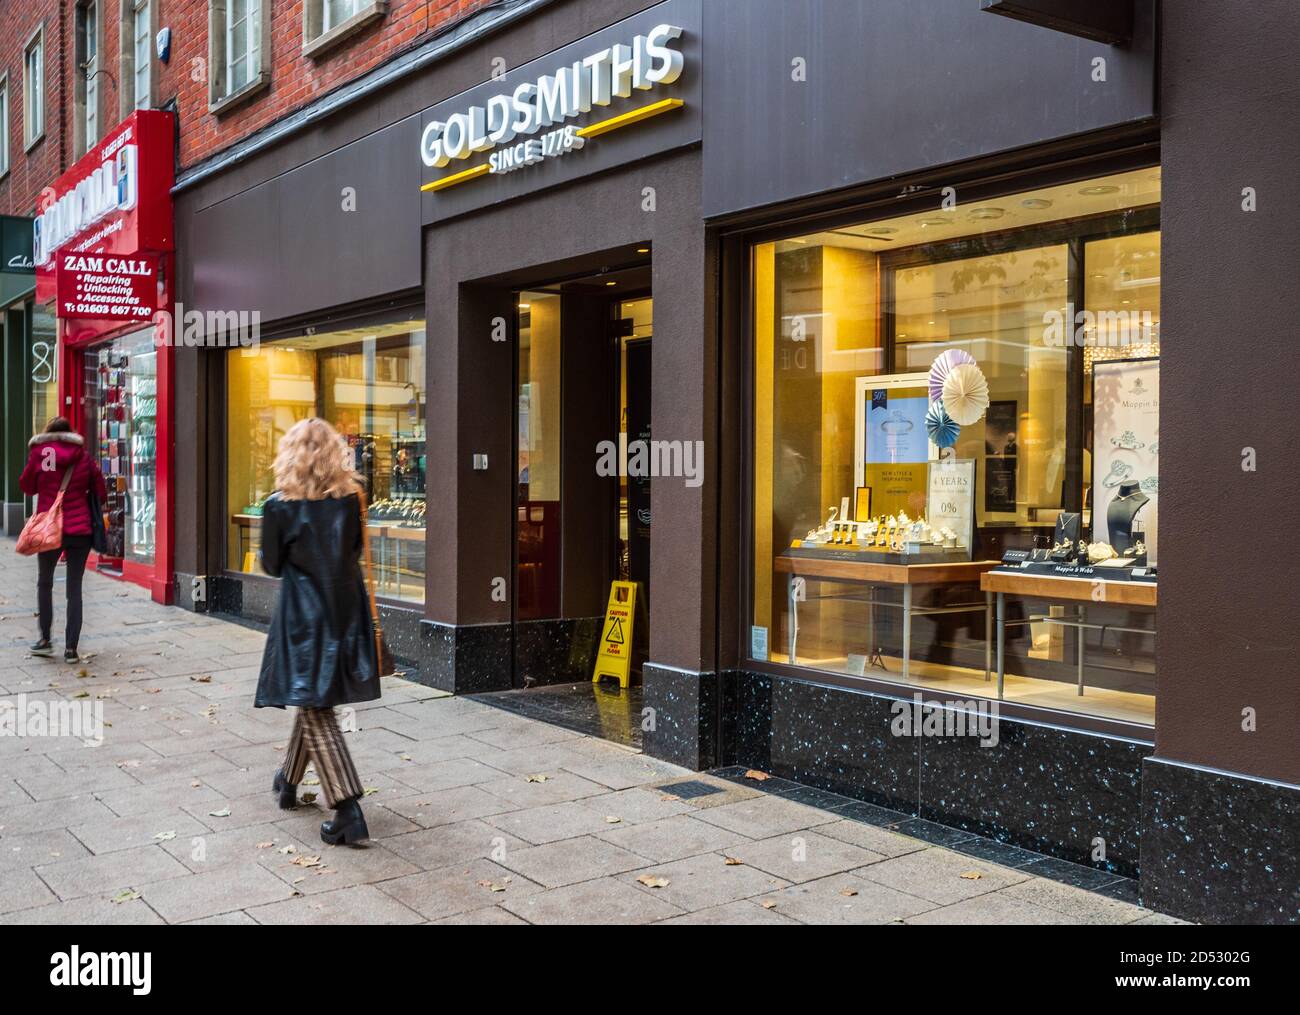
<point>370,384</point>
<point>1052,297</point>
<point>121,404</point>
<point>45,369</point>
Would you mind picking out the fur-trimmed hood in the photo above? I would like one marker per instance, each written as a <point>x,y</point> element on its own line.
<point>65,438</point>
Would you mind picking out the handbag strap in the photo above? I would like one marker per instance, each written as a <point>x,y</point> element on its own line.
<point>370,576</point>
<point>67,473</point>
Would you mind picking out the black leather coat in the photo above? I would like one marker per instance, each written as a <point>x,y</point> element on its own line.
<point>321,648</point>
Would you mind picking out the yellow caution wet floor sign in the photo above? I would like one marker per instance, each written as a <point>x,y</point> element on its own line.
<point>615,656</point>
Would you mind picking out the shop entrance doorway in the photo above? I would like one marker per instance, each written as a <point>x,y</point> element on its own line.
<point>582,397</point>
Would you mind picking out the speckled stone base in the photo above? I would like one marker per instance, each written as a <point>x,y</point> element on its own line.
<point>682,722</point>
<point>1219,848</point>
<point>466,659</point>
<point>1068,794</point>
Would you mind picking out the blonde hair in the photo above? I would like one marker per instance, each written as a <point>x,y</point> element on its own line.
<point>314,463</point>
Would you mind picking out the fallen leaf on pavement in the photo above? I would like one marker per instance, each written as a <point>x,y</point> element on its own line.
<point>537,778</point>
<point>223,813</point>
<point>650,881</point>
<point>306,861</point>
<point>768,904</point>
<point>165,836</point>
<point>611,819</point>
<point>733,862</point>
<point>126,895</point>
<point>266,845</point>
<point>756,775</point>
<point>308,798</point>
<point>669,798</point>
<point>370,791</point>
<point>287,849</point>
<point>971,876</point>
<point>850,892</point>
<point>205,679</point>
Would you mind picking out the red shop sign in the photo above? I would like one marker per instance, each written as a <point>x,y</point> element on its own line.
<point>115,200</point>
<point>106,287</point>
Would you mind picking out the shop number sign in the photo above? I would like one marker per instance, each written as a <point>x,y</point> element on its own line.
<point>107,287</point>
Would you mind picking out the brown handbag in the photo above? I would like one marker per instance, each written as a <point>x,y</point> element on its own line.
<point>387,664</point>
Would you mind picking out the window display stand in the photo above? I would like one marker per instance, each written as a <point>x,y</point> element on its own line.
<point>906,576</point>
<point>1070,590</point>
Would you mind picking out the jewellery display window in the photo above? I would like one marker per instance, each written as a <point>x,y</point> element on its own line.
<point>369,384</point>
<point>1036,291</point>
<point>121,403</point>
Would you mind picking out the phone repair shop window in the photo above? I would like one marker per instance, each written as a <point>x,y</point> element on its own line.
<point>369,383</point>
<point>955,387</point>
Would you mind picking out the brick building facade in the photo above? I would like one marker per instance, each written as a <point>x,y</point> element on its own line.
<point>307,59</point>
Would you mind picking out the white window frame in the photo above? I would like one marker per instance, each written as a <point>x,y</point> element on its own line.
<point>87,42</point>
<point>34,91</point>
<point>320,33</point>
<point>253,34</point>
<point>4,124</point>
<point>142,51</point>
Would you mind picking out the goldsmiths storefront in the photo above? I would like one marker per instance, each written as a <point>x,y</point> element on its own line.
<point>898,346</point>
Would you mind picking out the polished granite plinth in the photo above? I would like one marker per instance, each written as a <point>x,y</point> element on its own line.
<point>1068,794</point>
<point>1219,847</point>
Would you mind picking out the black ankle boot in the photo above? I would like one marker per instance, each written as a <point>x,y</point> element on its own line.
<point>288,793</point>
<point>346,827</point>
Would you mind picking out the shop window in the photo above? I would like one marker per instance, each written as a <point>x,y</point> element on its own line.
<point>34,88</point>
<point>1053,297</point>
<point>326,23</point>
<point>369,383</point>
<point>237,69</point>
<point>121,406</point>
<point>44,361</point>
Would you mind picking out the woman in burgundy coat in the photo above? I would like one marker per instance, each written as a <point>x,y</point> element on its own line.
<point>51,453</point>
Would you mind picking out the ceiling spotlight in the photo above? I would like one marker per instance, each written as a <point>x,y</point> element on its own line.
<point>1099,190</point>
<point>611,283</point>
<point>643,250</point>
<point>1036,203</point>
<point>987,213</point>
<point>881,230</point>
<point>938,220</point>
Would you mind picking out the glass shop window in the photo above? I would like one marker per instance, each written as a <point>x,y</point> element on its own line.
<point>945,393</point>
<point>121,406</point>
<point>370,384</point>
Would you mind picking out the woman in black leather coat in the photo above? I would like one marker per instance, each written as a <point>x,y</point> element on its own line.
<point>321,650</point>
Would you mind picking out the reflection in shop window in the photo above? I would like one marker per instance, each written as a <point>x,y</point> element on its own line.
<point>367,382</point>
<point>847,325</point>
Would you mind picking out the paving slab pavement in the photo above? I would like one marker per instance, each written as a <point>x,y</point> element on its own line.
<point>479,815</point>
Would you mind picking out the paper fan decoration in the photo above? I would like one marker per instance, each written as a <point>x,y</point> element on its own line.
<point>943,366</point>
<point>965,393</point>
<point>941,427</point>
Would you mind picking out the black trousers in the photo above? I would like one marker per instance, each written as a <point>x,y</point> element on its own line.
<point>78,549</point>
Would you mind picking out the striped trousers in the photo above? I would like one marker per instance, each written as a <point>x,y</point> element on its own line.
<point>316,736</point>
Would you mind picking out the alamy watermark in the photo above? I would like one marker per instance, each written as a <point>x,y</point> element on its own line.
<point>977,717</point>
<point>1112,329</point>
<point>211,329</point>
<point>37,717</point>
<point>651,459</point>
